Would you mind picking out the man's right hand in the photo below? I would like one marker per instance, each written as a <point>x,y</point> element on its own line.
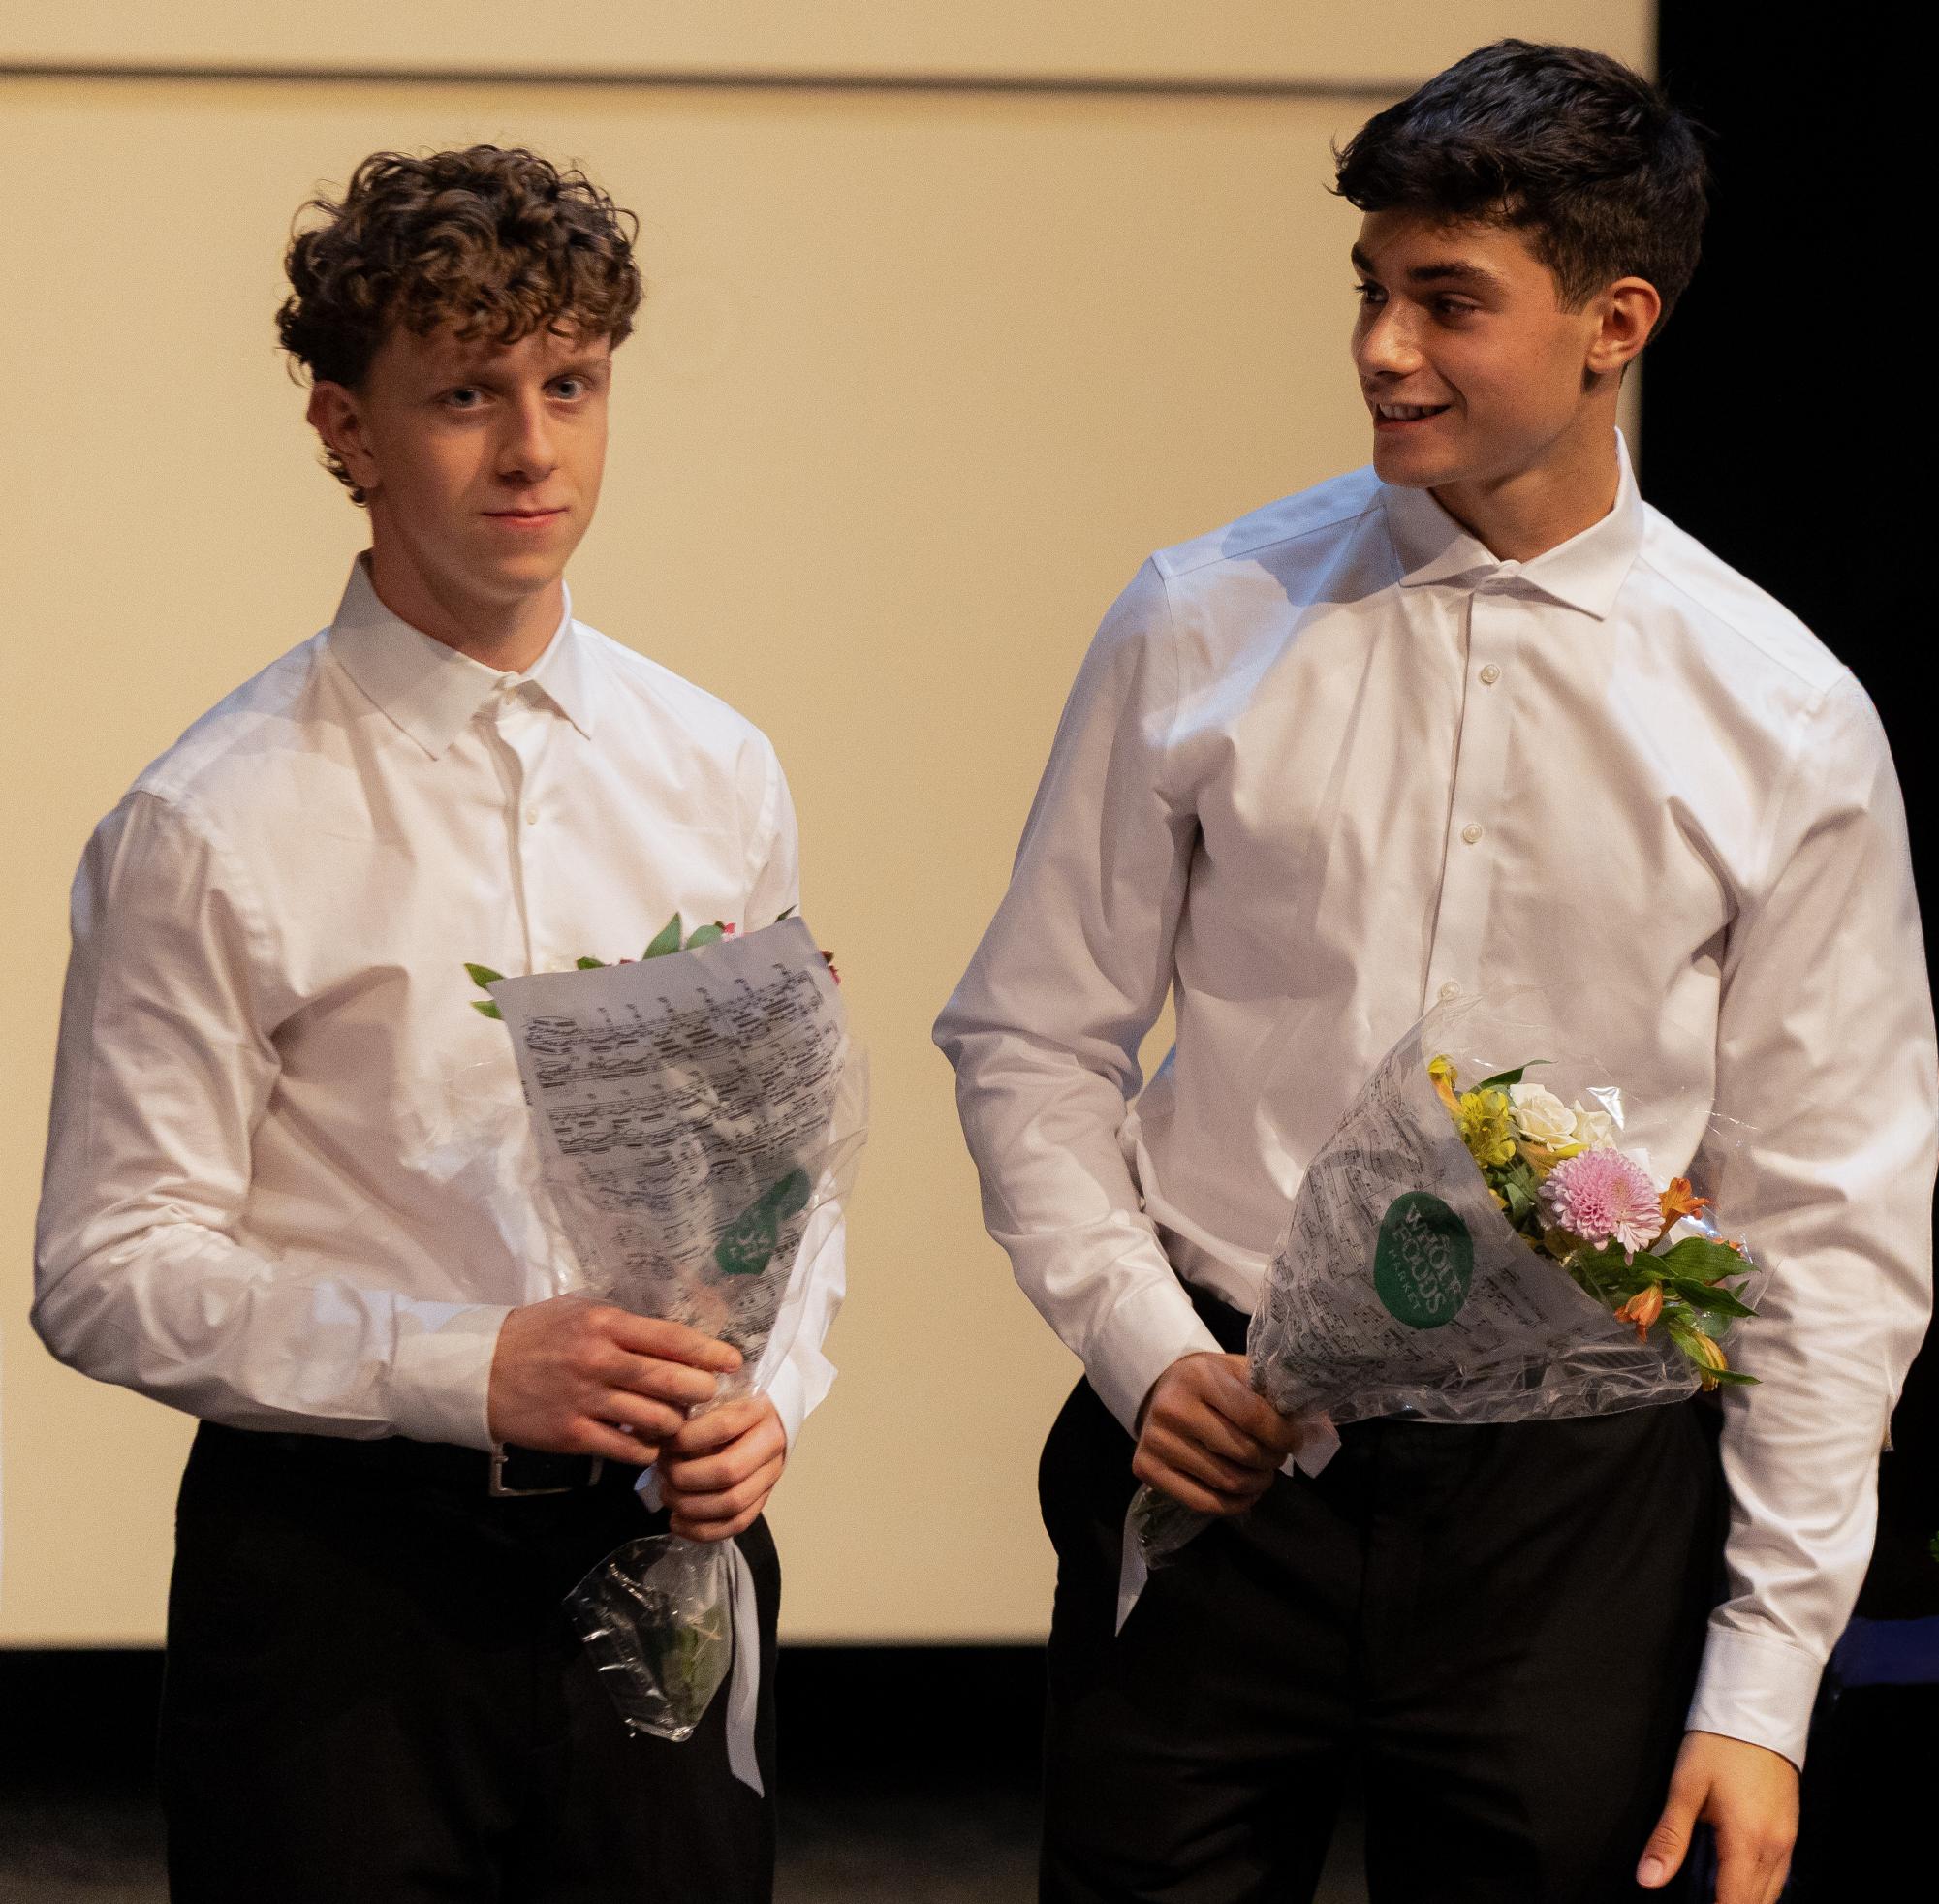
<point>1206,1439</point>
<point>570,1375</point>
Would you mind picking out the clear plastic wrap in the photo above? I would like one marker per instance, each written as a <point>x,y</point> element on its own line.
<point>699,1121</point>
<point>1401,1287</point>
<point>657,1617</point>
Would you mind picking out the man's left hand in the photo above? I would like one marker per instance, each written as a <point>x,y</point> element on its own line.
<point>1748,1794</point>
<point>717,1473</point>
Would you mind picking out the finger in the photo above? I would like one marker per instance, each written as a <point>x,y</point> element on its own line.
<point>700,1434</point>
<point>725,1504</point>
<point>1155,1473</point>
<point>1193,1419</point>
<point>717,1530</point>
<point>1663,1854</point>
<point>1212,1471</point>
<point>588,1436</point>
<point>654,1336</point>
<point>726,1467</point>
<point>652,1420</point>
<point>1250,1413</point>
<point>676,1382</point>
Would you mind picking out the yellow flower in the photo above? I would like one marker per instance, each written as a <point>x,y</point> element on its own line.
<point>1706,1353</point>
<point>1487,1128</point>
<point>1442,1073</point>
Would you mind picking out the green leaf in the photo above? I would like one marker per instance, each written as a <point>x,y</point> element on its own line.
<point>1502,1080</point>
<point>705,935</point>
<point>1702,1260</point>
<point>590,965</point>
<point>483,974</point>
<point>665,940</point>
<point>485,1009</point>
<point>789,913</point>
<point>1735,1375</point>
<point>1706,1297</point>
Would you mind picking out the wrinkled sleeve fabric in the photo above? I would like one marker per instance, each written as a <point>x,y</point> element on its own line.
<point>165,1061</point>
<point>1044,1030</point>
<point>797,1379</point>
<point>1825,1055</point>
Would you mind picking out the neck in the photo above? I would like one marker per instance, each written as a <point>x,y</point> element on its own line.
<point>1531,511</point>
<point>508,635</point>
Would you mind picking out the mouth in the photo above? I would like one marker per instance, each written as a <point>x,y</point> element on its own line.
<point>1406,415</point>
<point>524,518</point>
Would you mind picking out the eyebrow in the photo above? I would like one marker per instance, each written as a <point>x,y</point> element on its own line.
<point>1452,271</point>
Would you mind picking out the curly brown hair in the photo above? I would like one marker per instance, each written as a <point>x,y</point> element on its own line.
<point>494,241</point>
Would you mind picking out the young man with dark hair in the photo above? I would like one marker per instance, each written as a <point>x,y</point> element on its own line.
<point>413,1443</point>
<point>1473,718</point>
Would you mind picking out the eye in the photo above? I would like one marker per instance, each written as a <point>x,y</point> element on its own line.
<point>1369,293</point>
<point>571,388</point>
<point>464,398</point>
<point>1454,307</point>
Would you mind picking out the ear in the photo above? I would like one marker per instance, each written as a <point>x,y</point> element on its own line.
<point>1627,312</point>
<point>336,415</point>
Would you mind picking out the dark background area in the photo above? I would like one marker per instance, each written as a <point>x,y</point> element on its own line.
<point>1777,430</point>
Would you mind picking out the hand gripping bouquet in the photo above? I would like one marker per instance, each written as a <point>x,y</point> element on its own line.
<point>1480,1241</point>
<point>698,1116</point>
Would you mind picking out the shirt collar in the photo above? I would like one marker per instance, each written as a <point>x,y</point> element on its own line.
<point>431,691</point>
<point>1586,572</point>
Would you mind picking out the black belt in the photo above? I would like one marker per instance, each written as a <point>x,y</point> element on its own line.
<point>504,1473</point>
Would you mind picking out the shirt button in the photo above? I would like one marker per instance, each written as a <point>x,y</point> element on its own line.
<point>1450,990</point>
<point>531,816</point>
<point>1471,832</point>
<point>1490,674</point>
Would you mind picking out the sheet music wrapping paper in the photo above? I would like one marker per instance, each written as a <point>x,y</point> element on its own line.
<point>691,1113</point>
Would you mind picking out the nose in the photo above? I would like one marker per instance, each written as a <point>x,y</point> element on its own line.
<point>528,452</point>
<point>1383,343</point>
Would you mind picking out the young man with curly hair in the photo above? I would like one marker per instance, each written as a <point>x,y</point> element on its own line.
<point>1475,717</point>
<point>413,1443</point>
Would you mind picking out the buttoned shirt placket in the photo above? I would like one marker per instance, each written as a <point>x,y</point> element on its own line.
<point>1487,619</point>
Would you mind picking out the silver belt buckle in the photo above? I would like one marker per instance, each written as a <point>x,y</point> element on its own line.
<point>499,1492</point>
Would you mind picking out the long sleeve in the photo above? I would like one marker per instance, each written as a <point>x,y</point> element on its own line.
<point>1825,1055</point>
<point>799,1379</point>
<point>1044,1030</point>
<point>166,1063</point>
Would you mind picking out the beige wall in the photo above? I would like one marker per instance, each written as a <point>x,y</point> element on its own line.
<point>920,380</point>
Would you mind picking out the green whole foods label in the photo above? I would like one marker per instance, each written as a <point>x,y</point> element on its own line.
<point>1424,1260</point>
<point>750,1240</point>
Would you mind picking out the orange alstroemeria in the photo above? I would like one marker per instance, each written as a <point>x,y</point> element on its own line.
<point>1442,1071</point>
<point>1706,1354</point>
<point>1681,1200</point>
<point>1643,1309</point>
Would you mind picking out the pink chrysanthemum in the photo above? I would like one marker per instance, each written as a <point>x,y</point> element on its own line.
<point>1604,1196</point>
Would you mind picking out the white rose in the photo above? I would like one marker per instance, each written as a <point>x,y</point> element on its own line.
<point>1540,1115</point>
<point>1594,1128</point>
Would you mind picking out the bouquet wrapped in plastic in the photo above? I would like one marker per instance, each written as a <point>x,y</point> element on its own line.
<point>1491,1253</point>
<point>698,1116</point>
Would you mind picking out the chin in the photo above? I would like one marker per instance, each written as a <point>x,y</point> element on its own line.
<point>1395,463</point>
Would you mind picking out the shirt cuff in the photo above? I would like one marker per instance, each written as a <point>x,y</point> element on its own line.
<point>1758,1688</point>
<point>440,1385</point>
<point>1153,1326</point>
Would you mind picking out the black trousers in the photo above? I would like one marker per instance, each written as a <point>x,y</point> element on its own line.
<point>371,1697</point>
<point>1497,1627</point>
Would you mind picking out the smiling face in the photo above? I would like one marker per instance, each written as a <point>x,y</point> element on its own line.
<point>1478,379</point>
<point>481,464</point>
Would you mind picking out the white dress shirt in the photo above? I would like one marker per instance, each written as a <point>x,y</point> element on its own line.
<point>256,1205</point>
<point>1335,761</point>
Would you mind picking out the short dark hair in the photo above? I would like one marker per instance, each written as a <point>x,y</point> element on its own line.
<point>1604,176</point>
<point>495,241</point>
